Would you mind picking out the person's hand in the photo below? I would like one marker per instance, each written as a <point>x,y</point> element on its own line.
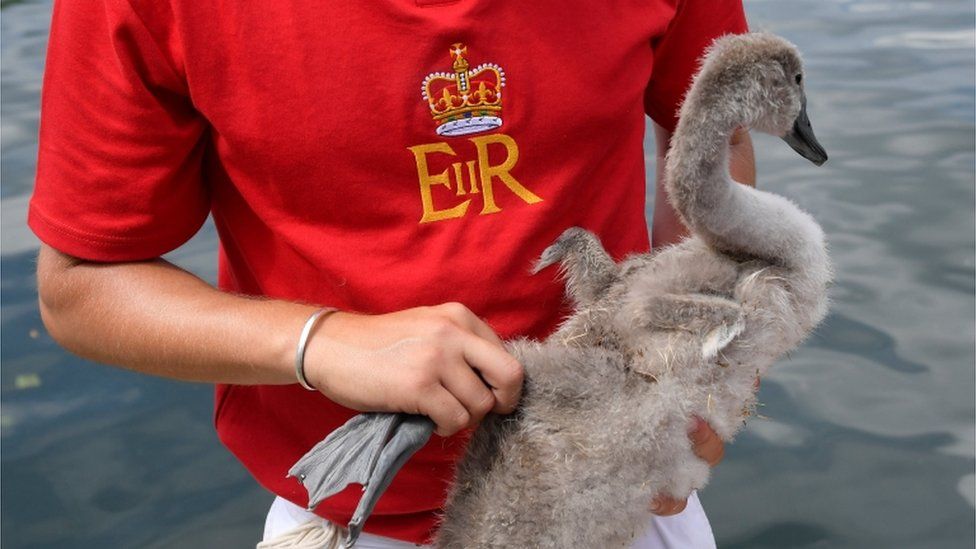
<point>706,446</point>
<point>442,362</point>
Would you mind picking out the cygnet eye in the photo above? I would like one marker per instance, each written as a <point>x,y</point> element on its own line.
<point>799,78</point>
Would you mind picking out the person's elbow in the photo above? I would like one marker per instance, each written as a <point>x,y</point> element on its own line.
<point>59,297</point>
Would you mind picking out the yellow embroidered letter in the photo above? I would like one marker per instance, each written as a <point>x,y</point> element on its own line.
<point>427,180</point>
<point>501,171</point>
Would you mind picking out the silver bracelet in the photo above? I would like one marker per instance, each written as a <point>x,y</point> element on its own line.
<point>303,342</point>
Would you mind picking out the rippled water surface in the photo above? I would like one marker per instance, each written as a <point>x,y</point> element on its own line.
<point>868,436</point>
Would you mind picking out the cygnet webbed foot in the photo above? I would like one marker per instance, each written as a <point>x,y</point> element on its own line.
<point>369,450</point>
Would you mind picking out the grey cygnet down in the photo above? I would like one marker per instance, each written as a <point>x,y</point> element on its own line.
<point>653,340</point>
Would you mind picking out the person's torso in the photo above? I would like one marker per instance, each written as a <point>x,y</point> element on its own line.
<point>349,160</point>
<point>375,156</point>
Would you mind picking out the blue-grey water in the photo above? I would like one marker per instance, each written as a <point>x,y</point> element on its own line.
<point>867,434</point>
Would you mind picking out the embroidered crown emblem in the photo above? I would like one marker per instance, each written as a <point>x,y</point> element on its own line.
<point>468,100</point>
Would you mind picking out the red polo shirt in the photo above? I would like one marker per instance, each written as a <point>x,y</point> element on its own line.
<point>371,156</point>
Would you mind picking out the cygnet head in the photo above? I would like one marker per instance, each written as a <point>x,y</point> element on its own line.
<point>756,80</point>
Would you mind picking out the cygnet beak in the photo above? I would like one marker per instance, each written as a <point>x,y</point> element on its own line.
<point>802,140</point>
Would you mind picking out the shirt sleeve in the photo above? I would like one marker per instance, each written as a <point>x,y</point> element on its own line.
<point>120,144</point>
<point>695,25</point>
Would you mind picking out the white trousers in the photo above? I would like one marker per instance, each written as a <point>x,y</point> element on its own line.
<point>290,526</point>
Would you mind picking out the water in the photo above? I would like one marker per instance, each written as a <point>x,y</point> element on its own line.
<point>868,439</point>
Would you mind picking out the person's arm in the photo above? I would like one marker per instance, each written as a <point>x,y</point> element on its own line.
<point>120,178</point>
<point>155,318</point>
<point>667,227</point>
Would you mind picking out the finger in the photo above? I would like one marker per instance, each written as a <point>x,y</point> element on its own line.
<point>469,389</point>
<point>739,135</point>
<point>445,411</point>
<point>706,443</point>
<point>500,370</point>
<point>481,328</point>
<point>664,506</point>
<point>466,318</point>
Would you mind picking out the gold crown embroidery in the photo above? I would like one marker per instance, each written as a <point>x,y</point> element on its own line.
<point>468,100</point>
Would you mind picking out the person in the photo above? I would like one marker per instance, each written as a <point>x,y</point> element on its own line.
<point>402,162</point>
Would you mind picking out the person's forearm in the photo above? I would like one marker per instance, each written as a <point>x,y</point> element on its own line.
<point>156,318</point>
<point>742,158</point>
<point>667,227</point>
<point>152,317</point>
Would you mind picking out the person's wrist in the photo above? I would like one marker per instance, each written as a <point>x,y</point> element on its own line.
<point>319,362</point>
<point>307,329</point>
